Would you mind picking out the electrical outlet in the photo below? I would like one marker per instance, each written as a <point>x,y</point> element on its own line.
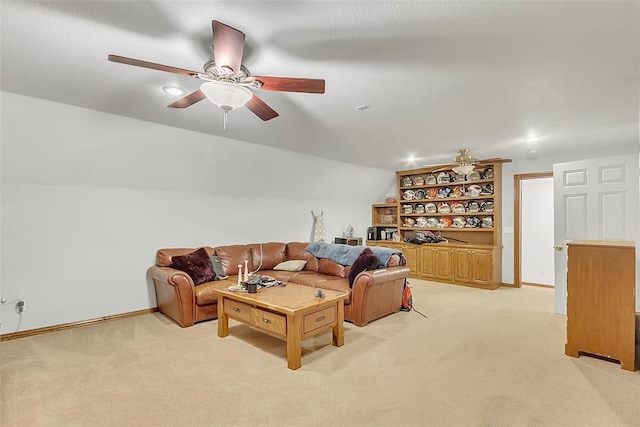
<point>20,306</point>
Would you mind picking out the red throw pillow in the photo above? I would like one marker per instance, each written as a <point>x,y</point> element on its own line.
<point>366,261</point>
<point>197,265</point>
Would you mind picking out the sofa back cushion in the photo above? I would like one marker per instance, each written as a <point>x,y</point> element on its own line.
<point>326,266</point>
<point>233,255</point>
<point>164,256</point>
<point>296,250</point>
<point>265,256</point>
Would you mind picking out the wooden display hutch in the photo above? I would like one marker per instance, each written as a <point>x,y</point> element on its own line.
<point>472,255</point>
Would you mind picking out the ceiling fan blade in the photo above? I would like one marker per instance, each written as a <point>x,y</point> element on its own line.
<point>152,65</point>
<point>188,100</point>
<point>290,84</point>
<point>261,109</point>
<point>228,44</point>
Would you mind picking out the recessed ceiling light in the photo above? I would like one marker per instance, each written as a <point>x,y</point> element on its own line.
<point>174,90</point>
<point>362,107</point>
<point>532,138</point>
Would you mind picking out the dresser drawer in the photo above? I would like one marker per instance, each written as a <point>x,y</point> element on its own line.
<point>318,319</point>
<point>268,321</point>
<point>237,310</point>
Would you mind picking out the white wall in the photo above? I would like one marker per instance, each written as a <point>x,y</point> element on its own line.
<point>88,197</point>
<point>537,231</point>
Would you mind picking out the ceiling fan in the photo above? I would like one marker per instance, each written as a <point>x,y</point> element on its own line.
<point>226,80</point>
<point>464,163</point>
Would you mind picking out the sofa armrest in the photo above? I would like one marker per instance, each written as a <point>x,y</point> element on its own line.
<point>377,293</point>
<point>174,294</point>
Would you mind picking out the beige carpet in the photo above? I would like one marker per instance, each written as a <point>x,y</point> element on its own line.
<point>482,358</point>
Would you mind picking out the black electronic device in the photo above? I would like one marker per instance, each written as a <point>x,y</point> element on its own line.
<point>217,267</point>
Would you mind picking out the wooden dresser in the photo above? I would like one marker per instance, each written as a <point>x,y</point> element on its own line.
<point>601,286</point>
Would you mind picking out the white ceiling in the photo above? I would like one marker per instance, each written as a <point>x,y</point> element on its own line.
<point>438,75</point>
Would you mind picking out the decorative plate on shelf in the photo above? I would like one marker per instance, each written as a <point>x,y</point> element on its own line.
<point>458,191</point>
<point>487,222</point>
<point>444,192</point>
<point>409,195</point>
<point>487,190</point>
<point>418,180</point>
<point>444,222</point>
<point>473,222</point>
<point>431,179</point>
<point>421,194</point>
<point>487,173</point>
<point>406,181</point>
<point>444,178</point>
<point>458,222</point>
<point>457,207</point>
<point>473,176</point>
<point>474,190</point>
<point>420,209</point>
<point>407,209</point>
<point>432,222</point>
<point>486,206</point>
<point>409,222</point>
<point>432,193</point>
<point>431,208</point>
<point>443,207</point>
<point>473,206</point>
<point>421,221</point>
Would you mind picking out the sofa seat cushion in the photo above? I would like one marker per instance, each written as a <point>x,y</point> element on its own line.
<point>310,279</point>
<point>205,295</point>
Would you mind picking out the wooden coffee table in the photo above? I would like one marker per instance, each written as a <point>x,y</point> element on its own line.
<point>292,313</point>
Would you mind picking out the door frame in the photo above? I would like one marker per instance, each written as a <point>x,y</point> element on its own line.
<point>517,221</point>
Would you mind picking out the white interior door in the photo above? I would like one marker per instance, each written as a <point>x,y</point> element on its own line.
<point>593,199</point>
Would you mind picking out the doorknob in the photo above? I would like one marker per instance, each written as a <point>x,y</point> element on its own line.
<point>558,248</point>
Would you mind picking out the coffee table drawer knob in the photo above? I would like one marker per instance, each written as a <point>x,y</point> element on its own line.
<point>236,309</point>
<point>321,318</point>
<point>267,321</point>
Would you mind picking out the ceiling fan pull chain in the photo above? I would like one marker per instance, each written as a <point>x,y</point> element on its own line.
<point>224,126</point>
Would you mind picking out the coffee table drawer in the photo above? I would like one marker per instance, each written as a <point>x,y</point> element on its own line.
<point>318,319</point>
<point>237,310</point>
<point>268,321</point>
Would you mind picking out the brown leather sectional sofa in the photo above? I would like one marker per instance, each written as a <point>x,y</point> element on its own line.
<point>374,294</point>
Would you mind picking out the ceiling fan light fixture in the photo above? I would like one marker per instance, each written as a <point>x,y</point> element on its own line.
<point>463,169</point>
<point>227,96</point>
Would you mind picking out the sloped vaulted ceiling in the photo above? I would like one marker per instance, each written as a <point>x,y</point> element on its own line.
<point>437,75</point>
